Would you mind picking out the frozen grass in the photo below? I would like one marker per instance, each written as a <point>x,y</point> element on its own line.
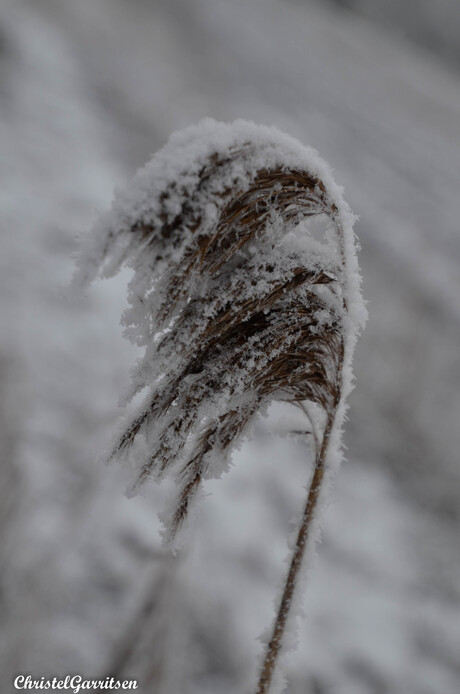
<point>238,304</point>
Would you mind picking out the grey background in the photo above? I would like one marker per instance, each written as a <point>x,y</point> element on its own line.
<point>88,92</point>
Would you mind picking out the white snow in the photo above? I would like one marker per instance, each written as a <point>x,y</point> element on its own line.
<point>175,175</point>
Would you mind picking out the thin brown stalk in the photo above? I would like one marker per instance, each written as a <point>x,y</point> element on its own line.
<point>305,529</point>
<point>274,645</point>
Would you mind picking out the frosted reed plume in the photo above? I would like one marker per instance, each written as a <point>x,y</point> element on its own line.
<point>237,302</point>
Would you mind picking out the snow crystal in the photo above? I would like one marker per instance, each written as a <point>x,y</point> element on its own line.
<point>156,225</point>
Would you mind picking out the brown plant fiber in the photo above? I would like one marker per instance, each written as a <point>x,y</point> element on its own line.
<point>238,316</point>
<point>245,291</point>
<point>273,340</point>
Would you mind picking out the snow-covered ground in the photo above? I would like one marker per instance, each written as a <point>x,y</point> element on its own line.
<point>89,91</point>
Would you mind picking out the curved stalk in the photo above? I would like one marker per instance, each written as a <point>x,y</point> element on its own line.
<point>274,645</point>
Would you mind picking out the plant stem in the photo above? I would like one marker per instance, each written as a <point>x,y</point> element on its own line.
<point>274,644</point>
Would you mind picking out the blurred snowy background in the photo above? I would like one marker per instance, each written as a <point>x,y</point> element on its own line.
<point>88,91</point>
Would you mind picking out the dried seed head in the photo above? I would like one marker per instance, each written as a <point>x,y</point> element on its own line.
<point>234,298</point>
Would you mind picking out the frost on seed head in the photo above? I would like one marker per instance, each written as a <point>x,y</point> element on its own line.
<point>245,290</point>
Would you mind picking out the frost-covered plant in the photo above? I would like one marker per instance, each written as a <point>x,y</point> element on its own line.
<point>238,301</point>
